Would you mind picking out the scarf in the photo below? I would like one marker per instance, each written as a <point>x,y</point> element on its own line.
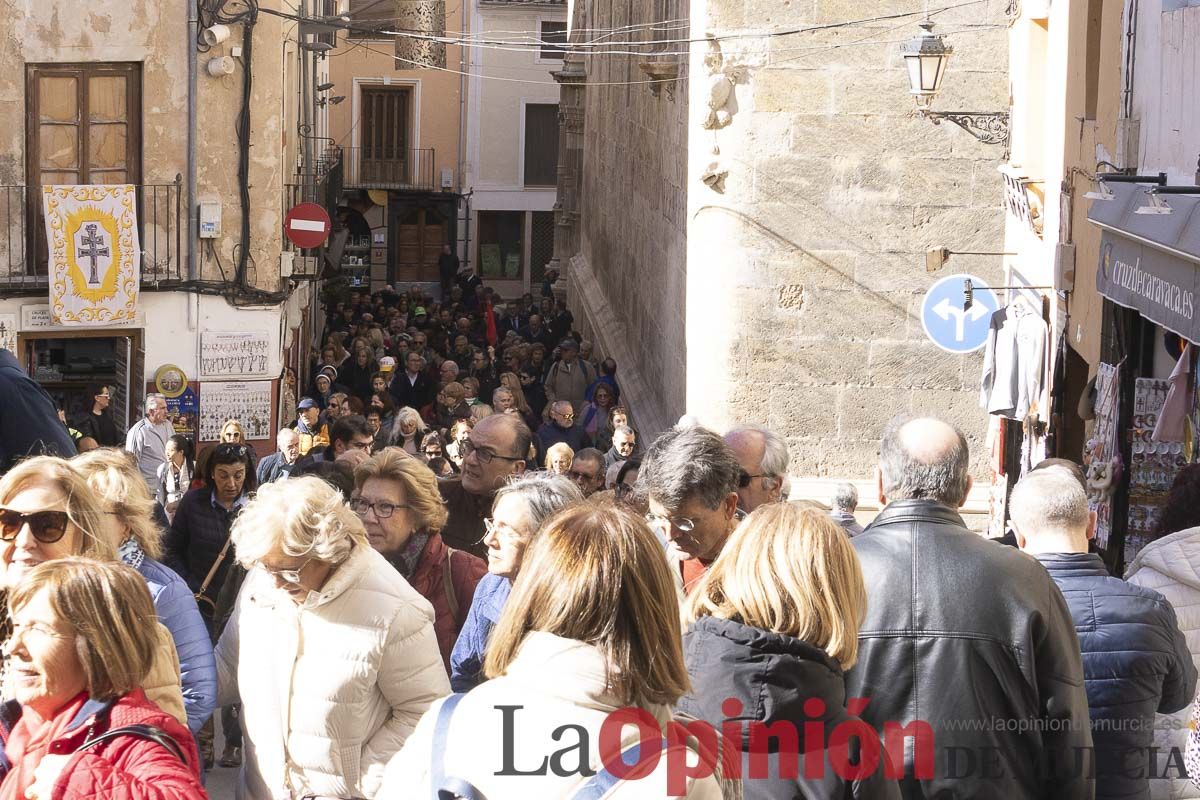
<point>407,559</point>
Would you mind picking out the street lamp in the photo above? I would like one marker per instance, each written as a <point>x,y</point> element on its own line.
<point>926,57</point>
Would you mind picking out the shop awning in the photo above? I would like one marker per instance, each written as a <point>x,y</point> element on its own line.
<point>1151,262</point>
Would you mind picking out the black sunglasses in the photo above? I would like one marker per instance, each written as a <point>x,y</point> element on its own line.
<point>46,526</point>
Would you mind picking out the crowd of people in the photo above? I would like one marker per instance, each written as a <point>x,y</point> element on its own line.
<point>421,594</point>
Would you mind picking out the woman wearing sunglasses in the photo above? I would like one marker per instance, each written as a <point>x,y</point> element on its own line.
<point>330,651</point>
<point>47,512</point>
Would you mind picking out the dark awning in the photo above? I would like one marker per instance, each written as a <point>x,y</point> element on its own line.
<point>1151,262</point>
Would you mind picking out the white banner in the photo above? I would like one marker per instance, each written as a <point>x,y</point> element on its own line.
<point>95,255</point>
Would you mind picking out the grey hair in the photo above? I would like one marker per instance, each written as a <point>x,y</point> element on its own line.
<point>1049,500</point>
<point>684,463</point>
<point>285,433</point>
<point>544,493</point>
<point>775,452</point>
<point>625,430</point>
<point>944,480</point>
<point>304,516</point>
<point>845,497</point>
<point>153,396</point>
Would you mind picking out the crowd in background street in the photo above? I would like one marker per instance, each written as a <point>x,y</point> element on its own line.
<point>461,520</point>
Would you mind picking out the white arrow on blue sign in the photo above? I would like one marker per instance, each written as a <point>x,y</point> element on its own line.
<point>948,324</point>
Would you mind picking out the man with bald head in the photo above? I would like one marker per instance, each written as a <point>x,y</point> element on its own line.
<point>496,449</point>
<point>763,455</point>
<point>972,639</point>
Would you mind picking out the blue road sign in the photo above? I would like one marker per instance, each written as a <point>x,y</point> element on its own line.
<point>950,326</point>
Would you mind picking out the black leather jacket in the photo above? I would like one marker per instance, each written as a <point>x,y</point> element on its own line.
<point>977,641</point>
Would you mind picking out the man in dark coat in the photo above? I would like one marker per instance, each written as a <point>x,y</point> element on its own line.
<point>561,428</point>
<point>29,424</point>
<point>98,423</point>
<point>413,387</point>
<point>969,642</point>
<point>1136,661</point>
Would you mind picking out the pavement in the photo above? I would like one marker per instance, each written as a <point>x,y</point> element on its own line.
<point>220,782</point>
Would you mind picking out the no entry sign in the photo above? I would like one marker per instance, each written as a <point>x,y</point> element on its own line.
<point>307,225</point>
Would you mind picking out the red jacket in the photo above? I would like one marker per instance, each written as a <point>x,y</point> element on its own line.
<point>122,768</point>
<point>428,578</point>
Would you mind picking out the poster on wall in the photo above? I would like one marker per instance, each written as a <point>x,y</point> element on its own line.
<point>8,332</point>
<point>249,403</point>
<point>234,355</point>
<point>183,412</point>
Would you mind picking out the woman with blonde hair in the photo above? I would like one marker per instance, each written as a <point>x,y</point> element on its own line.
<point>407,431</point>
<point>129,521</point>
<point>591,628</point>
<point>331,653</point>
<point>397,499</point>
<point>511,382</point>
<point>772,626</point>
<point>559,458</point>
<point>83,645</point>
<point>47,512</point>
<point>231,432</point>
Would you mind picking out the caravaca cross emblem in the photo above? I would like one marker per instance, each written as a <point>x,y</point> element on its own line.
<point>93,255</point>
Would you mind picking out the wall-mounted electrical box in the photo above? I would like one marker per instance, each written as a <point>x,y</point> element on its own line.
<point>210,218</point>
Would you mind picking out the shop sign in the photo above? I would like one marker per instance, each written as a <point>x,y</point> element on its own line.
<point>36,317</point>
<point>234,355</point>
<point>1159,286</point>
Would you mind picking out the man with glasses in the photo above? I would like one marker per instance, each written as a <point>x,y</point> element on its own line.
<point>147,439</point>
<point>412,387</point>
<point>763,455</point>
<point>690,479</point>
<point>497,448</point>
<point>587,470</point>
<point>561,428</point>
<point>99,423</point>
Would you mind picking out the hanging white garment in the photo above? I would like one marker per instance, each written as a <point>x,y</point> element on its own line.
<point>1015,366</point>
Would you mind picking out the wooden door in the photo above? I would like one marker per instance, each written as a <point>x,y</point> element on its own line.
<point>420,234</point>
<point>83,126</point>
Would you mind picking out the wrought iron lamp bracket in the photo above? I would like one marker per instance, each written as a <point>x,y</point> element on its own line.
<point>989,127</point>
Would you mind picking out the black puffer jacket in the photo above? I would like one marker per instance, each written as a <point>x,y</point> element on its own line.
<point>975,640</point>
<point>195,539</point>
<point>1135,661</point>
<point>773,675</point>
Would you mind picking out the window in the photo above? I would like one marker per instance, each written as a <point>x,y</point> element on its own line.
<point>500,246</point>
<point>368,16</point>
<point>84,126</point>
<point>385,123</point>
<point>554,38</point>
<point>541,145</point>
<point>541,244</point>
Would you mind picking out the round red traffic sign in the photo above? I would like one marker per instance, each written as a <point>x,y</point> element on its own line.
<point>307,225</point>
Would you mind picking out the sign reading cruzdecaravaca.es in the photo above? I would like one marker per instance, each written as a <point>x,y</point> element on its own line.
<point>234,355</point>
<point>94,252</point>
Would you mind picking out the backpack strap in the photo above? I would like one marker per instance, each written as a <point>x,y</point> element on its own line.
<point>448,788</point>
<point>603,781</point>
<point>448,587</point>
<point>149,733</point>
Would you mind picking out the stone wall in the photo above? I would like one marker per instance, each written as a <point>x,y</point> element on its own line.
<point>628,277</point>
<point>805,274</point>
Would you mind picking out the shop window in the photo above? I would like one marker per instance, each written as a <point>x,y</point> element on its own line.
<point>541,144</point>
<point>554,40</point>
<point>500,246</point>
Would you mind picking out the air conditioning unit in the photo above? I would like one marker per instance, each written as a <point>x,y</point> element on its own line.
<point>447,178</point>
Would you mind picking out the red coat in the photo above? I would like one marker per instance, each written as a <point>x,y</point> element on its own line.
<point>122,768</point>
<point>428,578</point>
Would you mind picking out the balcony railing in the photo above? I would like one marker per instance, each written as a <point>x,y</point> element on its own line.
<point>389,168</point>
<point>162,229</point>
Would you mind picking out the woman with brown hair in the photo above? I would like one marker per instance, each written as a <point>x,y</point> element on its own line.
<point>772,625</point>
<point>83,644</point>
<point>591,627</point>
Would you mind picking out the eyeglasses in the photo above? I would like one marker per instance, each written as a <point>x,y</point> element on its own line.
<point>383,509</point>
<point>576,475</point>
<point>46,526</point>
<point>664,523</point>
<point>467,447</point>
<point>236,450</point>
<point>567,417</point>
<point>291,576</point>
<point>623,446</point>
<point>490,526</point>
<point>19,629</point>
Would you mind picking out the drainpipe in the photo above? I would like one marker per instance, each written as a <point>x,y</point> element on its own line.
<point>462,114</point>
<point>193,32</point>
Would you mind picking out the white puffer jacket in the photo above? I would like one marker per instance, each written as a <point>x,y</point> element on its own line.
<point>556,692</point>
<point>1171,566</point>
<point>330,688</point>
